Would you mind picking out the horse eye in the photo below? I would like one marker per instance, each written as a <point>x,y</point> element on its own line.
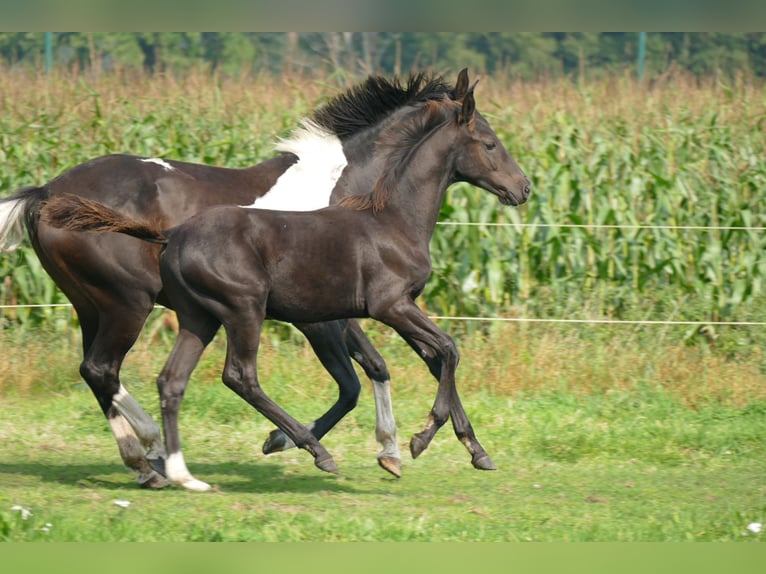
<point>490,146</point>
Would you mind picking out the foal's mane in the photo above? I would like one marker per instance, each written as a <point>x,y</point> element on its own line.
<point>400,141</point>
<point>366,104</point>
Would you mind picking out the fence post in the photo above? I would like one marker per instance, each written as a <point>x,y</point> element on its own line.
<point>48,52</point>
<point>641,54</point>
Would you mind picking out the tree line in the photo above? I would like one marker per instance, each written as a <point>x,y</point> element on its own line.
<point>527,55</point>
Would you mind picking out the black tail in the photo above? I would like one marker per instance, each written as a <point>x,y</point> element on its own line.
<point>76,213</point>
<point>17,211</point>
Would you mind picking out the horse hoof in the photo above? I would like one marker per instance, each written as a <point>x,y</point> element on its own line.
<point>194,484</point>
<point>326,464</point>
<point>483,462</point>
<point>391,464</point>
<point>155,482</point>
<point>158,464</point>
<point>417,446</point>
<point>276,442</point>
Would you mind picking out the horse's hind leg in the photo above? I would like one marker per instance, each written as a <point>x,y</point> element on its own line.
<point>240,375</point>
<point>171,385</point>
<point>326,340</point>
<point>105,348</point>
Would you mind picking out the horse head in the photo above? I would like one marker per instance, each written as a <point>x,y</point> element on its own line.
<point>482,159</point>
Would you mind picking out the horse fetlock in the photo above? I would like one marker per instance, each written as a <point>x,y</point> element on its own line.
<point>277,441</point>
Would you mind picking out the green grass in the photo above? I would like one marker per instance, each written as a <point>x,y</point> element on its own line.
<point>629,463</point>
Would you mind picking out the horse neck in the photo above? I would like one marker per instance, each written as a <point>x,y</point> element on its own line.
<point>365,162</point>
<point>420,191</point>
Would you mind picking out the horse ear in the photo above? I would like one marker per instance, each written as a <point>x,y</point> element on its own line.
<point>468,109</point>
<point>461,88</point>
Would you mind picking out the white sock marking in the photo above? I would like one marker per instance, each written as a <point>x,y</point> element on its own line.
<point>178,474</point>
<point>146,429</point>
<point>385,425</point>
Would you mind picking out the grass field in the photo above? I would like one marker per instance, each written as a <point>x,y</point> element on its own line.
<point>627,457</point>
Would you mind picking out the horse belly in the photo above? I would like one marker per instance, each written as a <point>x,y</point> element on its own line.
<point>315,290</point>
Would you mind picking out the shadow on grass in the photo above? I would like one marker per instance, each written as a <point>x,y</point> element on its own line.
<point>225,477</point>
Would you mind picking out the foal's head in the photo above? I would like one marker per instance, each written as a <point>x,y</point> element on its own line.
<point>469,150</point>
<point>481,158</point>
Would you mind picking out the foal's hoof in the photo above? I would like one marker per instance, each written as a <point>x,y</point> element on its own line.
<point>158,464</point>
<point>155,482</point>
<point>276,442</point>
<point>326,464</point>
<point>391,464</point>
<point>483,462</point>
<point>417,446</point>
<point>193,484</point>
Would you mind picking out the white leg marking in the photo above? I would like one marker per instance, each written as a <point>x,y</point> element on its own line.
<point>147,430</point>
<point>130,449</point>
<point>159,161</point>
<point>179,475</point>
<point>308,183</point>
<point>385,425</point>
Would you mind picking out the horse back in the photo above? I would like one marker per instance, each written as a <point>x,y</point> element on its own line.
<point>166,191</point>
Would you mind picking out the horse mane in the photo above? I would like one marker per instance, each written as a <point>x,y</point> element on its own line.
<point>366,104</point>
<point>401,141</point>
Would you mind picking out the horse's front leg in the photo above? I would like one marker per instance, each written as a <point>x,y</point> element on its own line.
<point>439,352</point>
<point>172,384</point>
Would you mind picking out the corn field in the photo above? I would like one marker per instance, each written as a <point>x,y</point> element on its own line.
<point>618,170</point>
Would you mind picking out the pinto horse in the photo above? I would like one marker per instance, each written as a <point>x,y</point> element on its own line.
<point>113,281</point>
<point>365,257</point>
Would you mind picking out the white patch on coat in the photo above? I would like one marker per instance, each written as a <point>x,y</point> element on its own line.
<point>308,183</point>
<point>159,161</point>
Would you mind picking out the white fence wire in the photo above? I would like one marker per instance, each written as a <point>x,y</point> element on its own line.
<point>551,320</point>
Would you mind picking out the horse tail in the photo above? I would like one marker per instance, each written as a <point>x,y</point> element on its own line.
<point>75,213</point>
<point>17,211</point>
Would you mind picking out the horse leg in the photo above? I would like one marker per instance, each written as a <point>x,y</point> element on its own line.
<point>240,375</point>
<point>105,348</point>
<point>326,340</point>
<point>439,352</point>
<point>106,339</point>
<point>374,366</point>
<point>171,384</point>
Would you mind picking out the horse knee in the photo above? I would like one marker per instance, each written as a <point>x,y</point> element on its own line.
<point>102,379</point>
<point>449,350</point>
<point>349,400</point>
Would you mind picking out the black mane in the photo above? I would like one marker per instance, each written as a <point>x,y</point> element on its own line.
<point>366,104</point>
